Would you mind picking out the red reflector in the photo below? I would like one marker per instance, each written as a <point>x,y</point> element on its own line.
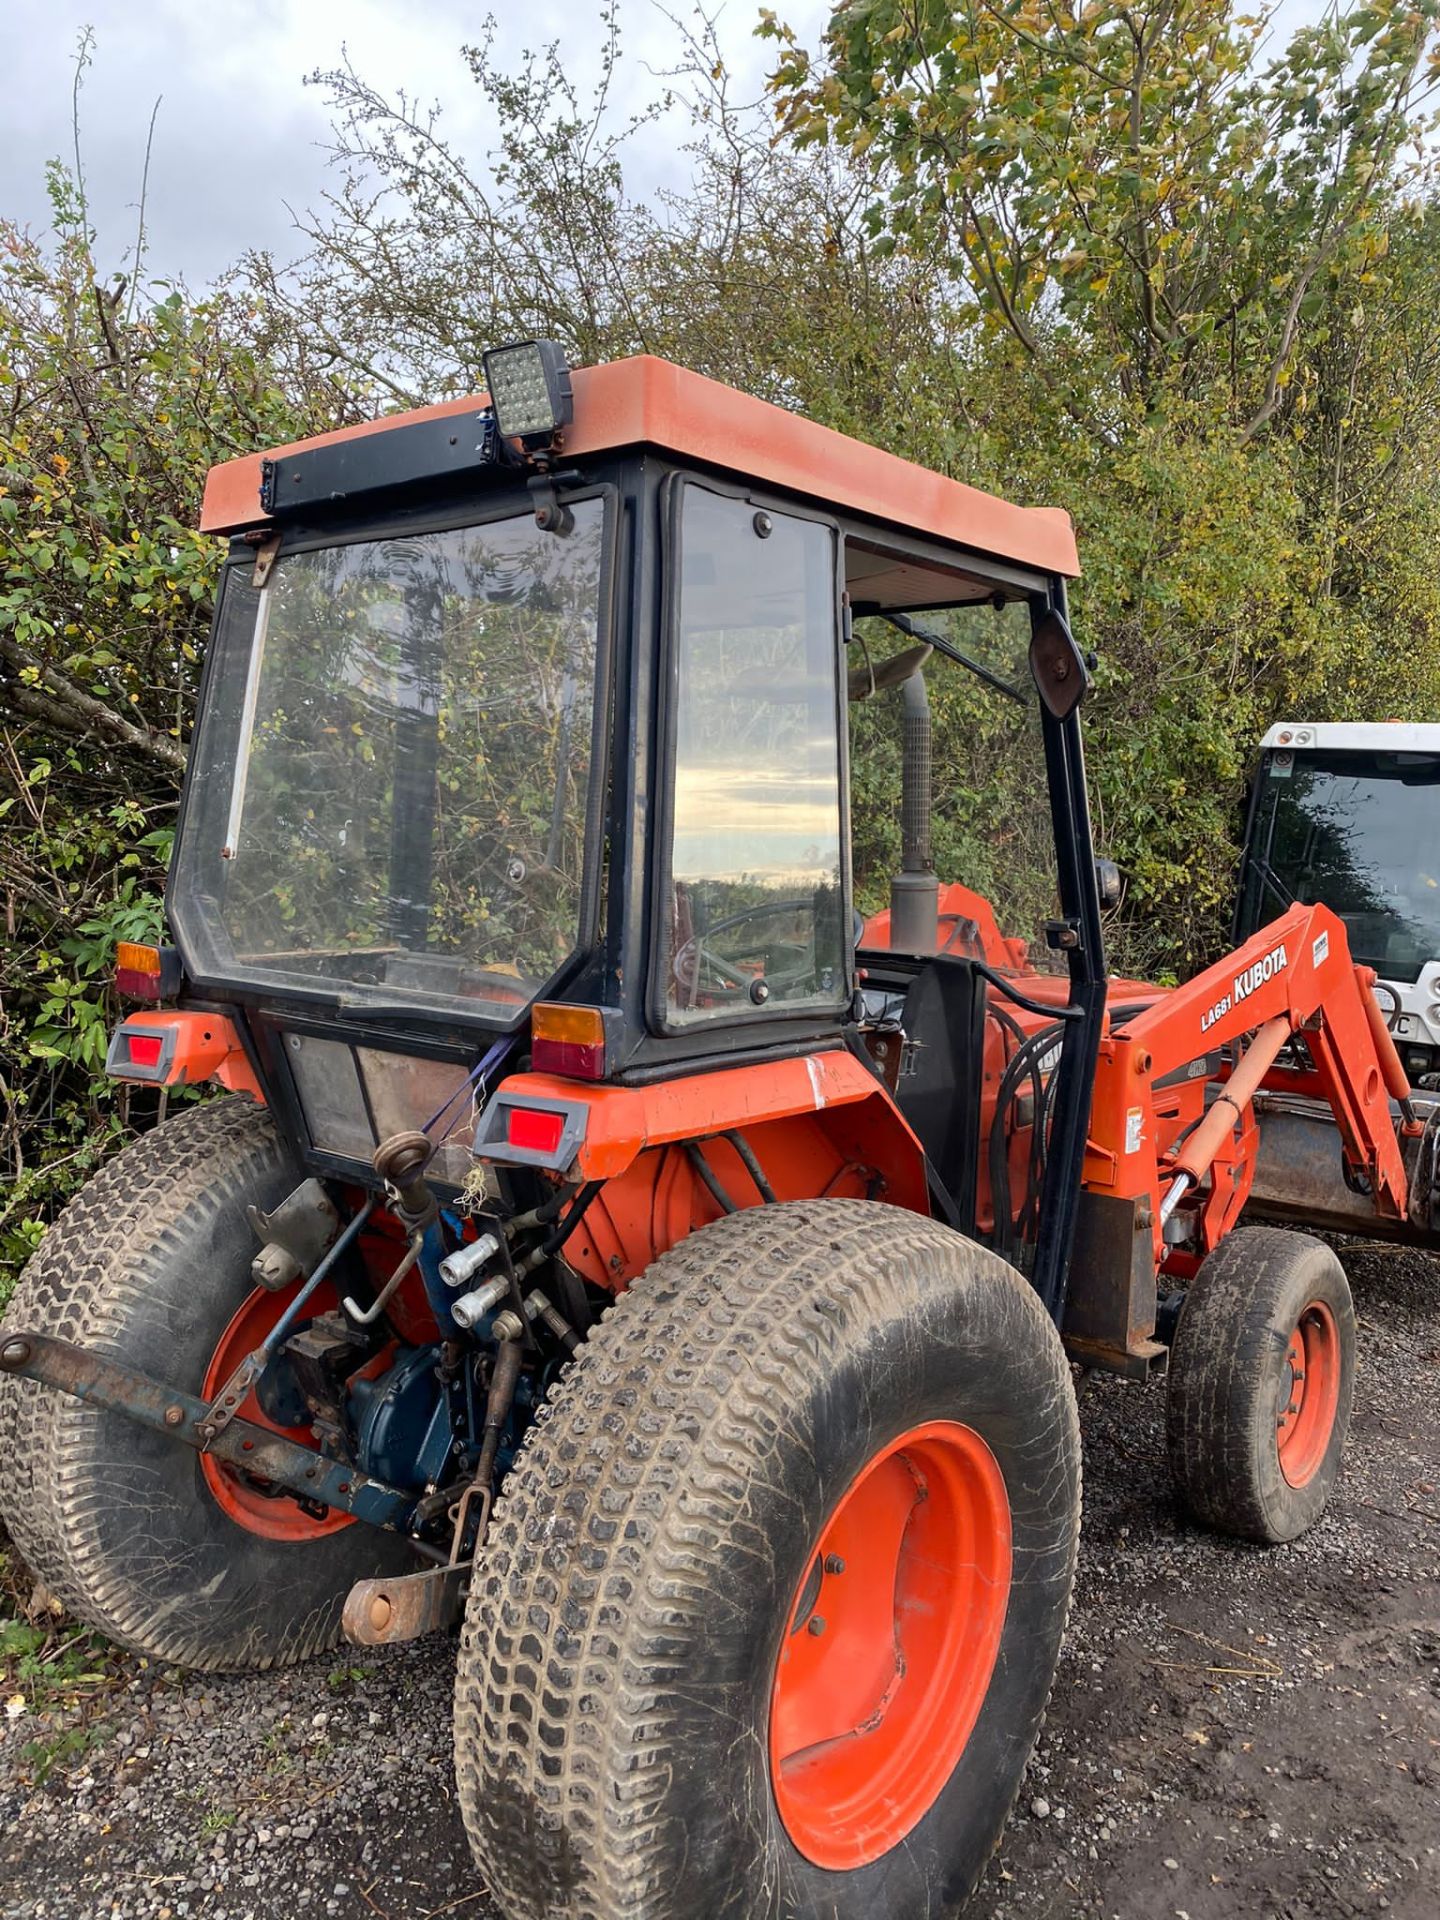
<point>536,1132</point>
<point>571,1059</point>
<point>131,984</point>
<point>144,1048</point>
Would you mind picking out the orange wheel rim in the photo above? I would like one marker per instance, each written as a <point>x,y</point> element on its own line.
<point>890,1644</point>
<point>248,1504</point>
<point>1309,1394</point>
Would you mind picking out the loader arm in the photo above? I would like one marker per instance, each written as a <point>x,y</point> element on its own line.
<point>1157,1132</point>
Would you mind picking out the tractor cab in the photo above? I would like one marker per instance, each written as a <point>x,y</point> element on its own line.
<point>525,742</point>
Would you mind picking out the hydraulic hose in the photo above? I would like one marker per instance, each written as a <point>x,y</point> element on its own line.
<point>1024,1064</point>
<point>707,1173</point>
<point>752,1165</point>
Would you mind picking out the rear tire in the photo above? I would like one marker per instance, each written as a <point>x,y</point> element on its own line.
<point>660,1553</point>
<point>1261,1376</point>
<point>148,1264</point>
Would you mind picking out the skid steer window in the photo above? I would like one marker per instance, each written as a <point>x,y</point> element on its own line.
<point>1356,831</point>
<point>755,884</point>
<point>391,791</point>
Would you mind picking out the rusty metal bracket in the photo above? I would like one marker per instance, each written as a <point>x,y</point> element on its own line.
<point>1110,1310</point>
<point>252,1450</point>
<point>460,1515</point>
<point>223,1409</point>
<point>266,554</point>
<point>294,1236</point>
<point>231,1397</point>
<point>1142,1360</point>
<point>380,1612</point>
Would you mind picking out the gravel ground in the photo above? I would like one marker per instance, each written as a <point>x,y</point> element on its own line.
<point>1235,1731</point>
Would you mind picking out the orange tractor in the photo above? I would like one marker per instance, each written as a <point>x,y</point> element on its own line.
<point>612,1236</point>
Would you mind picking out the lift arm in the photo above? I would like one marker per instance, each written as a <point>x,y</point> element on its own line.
<point>1151,1135</point>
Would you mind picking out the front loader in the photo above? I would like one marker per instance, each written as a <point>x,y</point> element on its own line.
<point>607,1232</point>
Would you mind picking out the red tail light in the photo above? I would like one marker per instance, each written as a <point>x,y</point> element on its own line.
<point>142,1052</point>
<point>524,1124</point>
<point>535,1131</point>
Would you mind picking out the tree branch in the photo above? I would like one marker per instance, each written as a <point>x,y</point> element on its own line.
<point>53,698</point>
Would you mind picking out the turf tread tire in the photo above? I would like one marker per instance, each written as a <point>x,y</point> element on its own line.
<point>596,1591</point>
<point>119,1252</point>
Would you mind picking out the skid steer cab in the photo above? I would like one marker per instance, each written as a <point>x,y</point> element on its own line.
<point>1348,812</point>
<point>648,1207</point>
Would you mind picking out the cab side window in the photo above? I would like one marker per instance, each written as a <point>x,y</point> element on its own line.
<point>755,897</point>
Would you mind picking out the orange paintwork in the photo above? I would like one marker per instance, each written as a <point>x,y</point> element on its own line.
<point>1142,1134</point>
<point>1297,969</point>
<point>984,939</point>
<point>207,1047</point>
<point>660,1197</point>
<point>870,1714</point>
<point>623,1121</point>
<point>957,905</point>
<point>1391,1067</point>
<point>646,402</point>
<point>1304,1425</point>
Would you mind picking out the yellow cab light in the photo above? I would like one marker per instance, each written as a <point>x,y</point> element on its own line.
<point>146,973</point>
<point>130,957</point>
<point>137,971</point>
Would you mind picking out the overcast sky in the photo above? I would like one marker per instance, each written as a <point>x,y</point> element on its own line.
<point>239,135</point>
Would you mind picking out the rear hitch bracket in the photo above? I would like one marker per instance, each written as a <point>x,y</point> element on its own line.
<point>250,1449</point>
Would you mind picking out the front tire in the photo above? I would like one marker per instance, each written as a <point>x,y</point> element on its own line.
<point>1261,1377</point>
<point>150,1264</point>
<point>824,1411</point>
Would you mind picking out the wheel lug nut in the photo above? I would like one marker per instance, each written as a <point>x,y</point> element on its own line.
<point>817,1625</point>
<point>833,1563</point>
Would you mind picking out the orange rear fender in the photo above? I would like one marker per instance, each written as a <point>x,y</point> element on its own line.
<point>621,1122</point>
<point>820,1125</point>
<point>178,1048</point>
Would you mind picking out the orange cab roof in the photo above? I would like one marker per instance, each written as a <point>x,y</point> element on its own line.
<point>652,403</point>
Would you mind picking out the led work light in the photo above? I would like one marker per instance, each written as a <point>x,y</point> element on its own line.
<point>529,385</point>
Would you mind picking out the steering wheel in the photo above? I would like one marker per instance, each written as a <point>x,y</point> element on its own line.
<point>695,955</point>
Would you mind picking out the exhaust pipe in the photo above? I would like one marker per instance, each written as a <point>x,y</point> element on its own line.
<point>915,890</point>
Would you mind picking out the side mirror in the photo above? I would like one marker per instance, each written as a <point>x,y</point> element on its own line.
<point>1058,666</point>
<point>1107,875</point>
